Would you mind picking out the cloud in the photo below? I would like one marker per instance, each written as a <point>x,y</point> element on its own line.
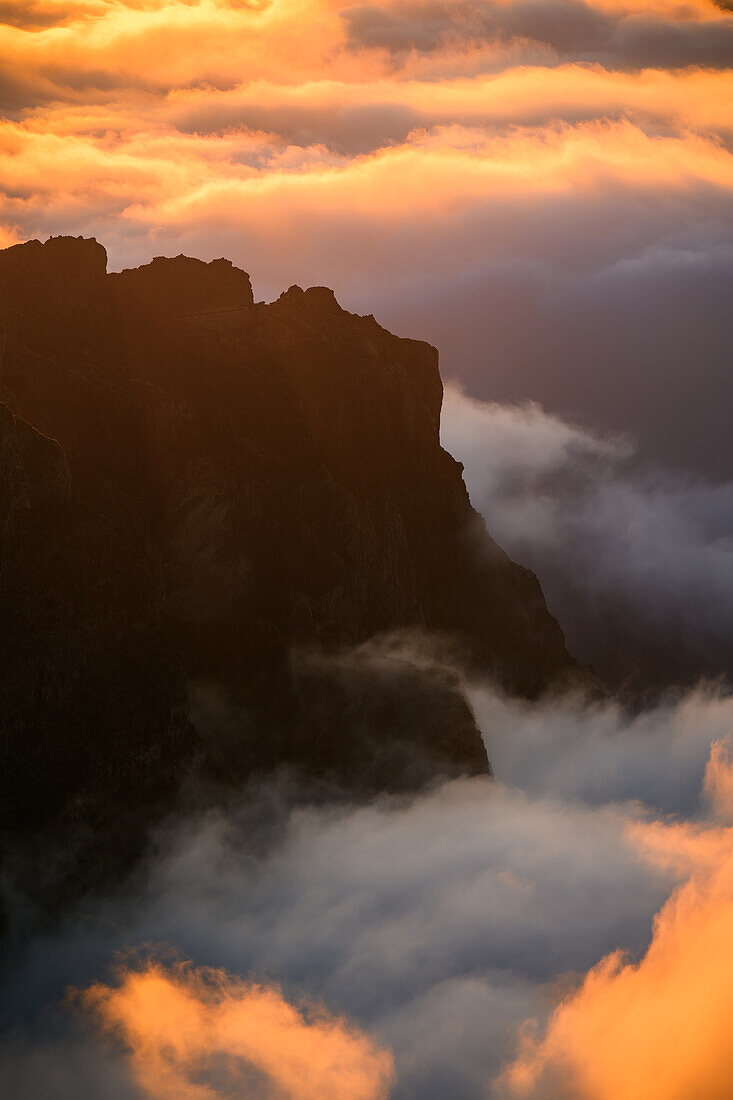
<point>637,564</point>
<point>471,196</point>
<point>168,44</point>
<point>190,1030</point>
<point>583,263</point>
<point>31,15</point>
<point>666,102</point>
<point>550,211</point>
<point>435,924</point>
<point>601,753</point>
<point>719,780</point>
<point>565,29</point>
<point>614,342</point>
<point>97,44</point>
<point>658,1029</point>
<point>513,182</point>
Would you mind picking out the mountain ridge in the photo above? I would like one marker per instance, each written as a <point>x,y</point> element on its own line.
<point>247,482</point>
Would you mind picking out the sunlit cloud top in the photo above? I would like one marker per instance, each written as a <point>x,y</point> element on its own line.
<point>148,117</point>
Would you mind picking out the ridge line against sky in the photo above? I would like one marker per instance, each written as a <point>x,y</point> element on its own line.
<point>537,187</point>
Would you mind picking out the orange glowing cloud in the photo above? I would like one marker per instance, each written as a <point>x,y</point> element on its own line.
<point>160,45</point>
<point>158,179</point>
<point>81,48</point>
<point>662,1028</point>
<point>136,119</point>
<point>695,99</point>
<point>719,781</point>
<point>199,1034</point>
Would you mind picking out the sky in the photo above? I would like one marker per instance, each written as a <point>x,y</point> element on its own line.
<point>544,190</point>
<point>541,188</point>
<point>636,560</point>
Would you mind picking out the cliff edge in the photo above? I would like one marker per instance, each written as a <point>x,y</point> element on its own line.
<point>238,499</point>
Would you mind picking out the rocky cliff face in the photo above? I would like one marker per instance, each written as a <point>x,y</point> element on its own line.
<point>241,493</point>
<point>90,697</point>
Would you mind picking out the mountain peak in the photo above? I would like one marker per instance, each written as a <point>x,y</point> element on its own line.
<point>65,267</point>
<point>315,299</point>
<point>182,285</point>
<point>258,493</point>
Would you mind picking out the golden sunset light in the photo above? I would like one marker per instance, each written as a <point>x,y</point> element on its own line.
<point>366,549</point>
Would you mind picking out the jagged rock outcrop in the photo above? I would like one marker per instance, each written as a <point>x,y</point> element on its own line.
<point>250,484</point>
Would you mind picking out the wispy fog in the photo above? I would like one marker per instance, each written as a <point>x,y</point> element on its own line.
<point>636,562</point>
<point>429,928</point>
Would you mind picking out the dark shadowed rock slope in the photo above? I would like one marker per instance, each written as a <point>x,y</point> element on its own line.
<point>239,491</point>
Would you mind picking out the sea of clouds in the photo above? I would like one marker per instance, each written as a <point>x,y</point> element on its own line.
<point>419,943</point>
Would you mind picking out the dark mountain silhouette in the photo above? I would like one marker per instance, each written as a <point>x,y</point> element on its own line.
<point>225,502</point>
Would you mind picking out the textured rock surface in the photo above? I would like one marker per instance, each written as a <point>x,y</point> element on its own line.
<point>92,699</point>
<point>235,482</point>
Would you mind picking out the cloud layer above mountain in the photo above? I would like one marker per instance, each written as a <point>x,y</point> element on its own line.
<point>540,187</point>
